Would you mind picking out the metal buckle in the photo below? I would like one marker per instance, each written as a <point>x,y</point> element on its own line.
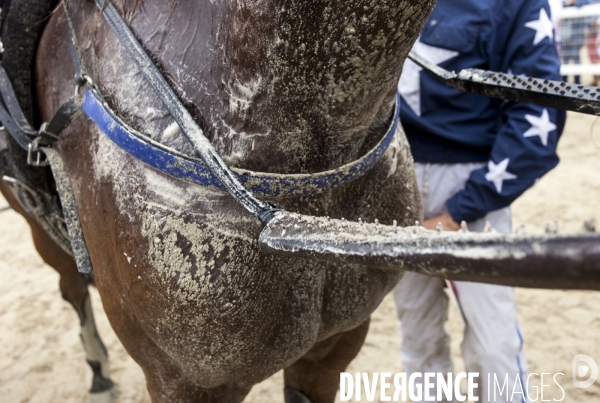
<point>46,135</point>
<point>34,155</point>
<point>85,79</point>
<point>3,141</point>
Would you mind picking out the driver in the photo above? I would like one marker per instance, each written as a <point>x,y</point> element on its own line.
<point>473,157</point>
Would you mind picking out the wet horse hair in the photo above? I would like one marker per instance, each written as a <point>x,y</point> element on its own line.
<point>348,329</point>
<point>191,276</point>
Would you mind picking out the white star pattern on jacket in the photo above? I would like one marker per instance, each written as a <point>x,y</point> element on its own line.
<point>544,28</point>
<point>410,80</point>
<point>541,126</point>
<point>497,174</point>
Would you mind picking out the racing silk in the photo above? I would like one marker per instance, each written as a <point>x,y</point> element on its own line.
<point>581,3</point>
<point>517,141</point>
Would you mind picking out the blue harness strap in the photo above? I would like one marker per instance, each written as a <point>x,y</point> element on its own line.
<point>180,166</point>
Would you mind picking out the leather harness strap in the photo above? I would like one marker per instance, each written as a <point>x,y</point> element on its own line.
<point>11,115</point>
<point>66,114</point>
<point>80,76</point>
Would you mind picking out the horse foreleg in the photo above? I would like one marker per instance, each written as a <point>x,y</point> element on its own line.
<point>74,289</point>
<point>103,389</point>
<point>315,378</point>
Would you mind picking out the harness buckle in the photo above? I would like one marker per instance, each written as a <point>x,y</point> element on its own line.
<point>34,155</point>
<point>85,79</point>
<point>46,136</point>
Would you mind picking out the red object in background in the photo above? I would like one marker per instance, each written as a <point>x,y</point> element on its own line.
<point>592,45</point>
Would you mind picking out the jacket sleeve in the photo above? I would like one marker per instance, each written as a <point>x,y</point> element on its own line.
<point>525,146</point>
<point>581,3</point>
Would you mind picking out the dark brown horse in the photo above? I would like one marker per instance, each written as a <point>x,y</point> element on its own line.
<point>20,35</point>
<point>278,86</point>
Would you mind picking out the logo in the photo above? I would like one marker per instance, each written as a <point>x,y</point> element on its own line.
<point>583,366</point>
<point>417,386</point>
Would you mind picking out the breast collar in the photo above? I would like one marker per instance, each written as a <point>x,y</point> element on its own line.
<point>193,170</point>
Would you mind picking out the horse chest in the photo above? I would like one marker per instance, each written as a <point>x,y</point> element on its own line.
<point>186,261</point>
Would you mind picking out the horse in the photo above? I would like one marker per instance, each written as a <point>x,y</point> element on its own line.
<point>32,188</point>
<point>280,87</point>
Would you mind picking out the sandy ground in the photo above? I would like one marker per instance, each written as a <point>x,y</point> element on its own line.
<point>41,358</point>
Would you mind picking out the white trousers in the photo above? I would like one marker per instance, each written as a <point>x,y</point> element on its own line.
<point>492,343</point>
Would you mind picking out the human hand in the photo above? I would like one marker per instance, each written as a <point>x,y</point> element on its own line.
<point>569,2</point>
<point>446,220</point>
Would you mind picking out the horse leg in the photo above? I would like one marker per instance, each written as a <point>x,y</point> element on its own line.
<point>74,289</point>
<point>315,378</point>
<point>103,389</point>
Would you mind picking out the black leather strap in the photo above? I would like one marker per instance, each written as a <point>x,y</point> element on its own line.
<point>64,116</point>
<point>548,93</point>
<point>11,115</point>
<point>74,48</point>
<point>13,129</point>
<point>10,101</point>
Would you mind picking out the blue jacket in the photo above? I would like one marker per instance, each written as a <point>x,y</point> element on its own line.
<point>581,3</point>
<point>517,141</point>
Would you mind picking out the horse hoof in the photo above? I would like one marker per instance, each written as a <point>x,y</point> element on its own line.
<point>293,396</point>
<point>107,396</point>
